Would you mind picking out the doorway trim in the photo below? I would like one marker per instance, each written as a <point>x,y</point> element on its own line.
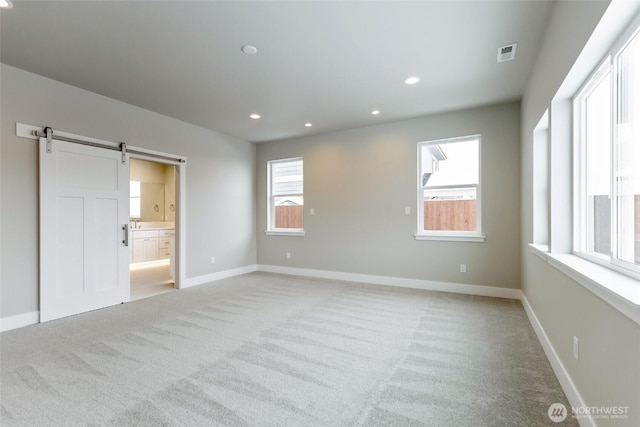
<point>180,162</point>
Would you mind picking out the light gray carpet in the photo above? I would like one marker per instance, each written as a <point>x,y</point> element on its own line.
<point>271,350</point>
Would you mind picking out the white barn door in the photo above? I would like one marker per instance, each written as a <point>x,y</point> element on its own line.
<point>84,217</point>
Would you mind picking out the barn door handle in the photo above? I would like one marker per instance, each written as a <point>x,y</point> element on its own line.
<point>125,228</point>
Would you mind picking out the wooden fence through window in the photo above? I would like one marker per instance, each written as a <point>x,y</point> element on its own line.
<point>458,215</point>
<point>289,216</point>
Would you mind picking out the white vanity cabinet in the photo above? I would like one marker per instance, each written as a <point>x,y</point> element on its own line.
<point>151,245</point>
<point>167,249</point>
<point>165,243</point>
<point>145,245</point>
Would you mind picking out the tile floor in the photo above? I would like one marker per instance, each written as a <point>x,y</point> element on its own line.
<point>150,281</point>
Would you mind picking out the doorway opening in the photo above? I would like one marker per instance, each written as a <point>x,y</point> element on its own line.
<point>152,216</point>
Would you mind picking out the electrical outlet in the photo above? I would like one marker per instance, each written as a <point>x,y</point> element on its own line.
<point>576,348</point>
<point>213,260</point>
<point>407,210</point>
<point>463,268</point>
<point>288,255</point>
<point>312,211</point>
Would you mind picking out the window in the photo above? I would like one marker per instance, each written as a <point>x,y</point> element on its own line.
<point>541,181</point>
<point>593,180</point>
<point>134,199</point>
<point>607,161</point>
<point>285,206</point>
<point>449,189</point>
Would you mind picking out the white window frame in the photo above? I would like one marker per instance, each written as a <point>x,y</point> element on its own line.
<point>623,42</point>
<point>580,210</point>
<point>450,235</point>
<point>271,229</point>
<point>134,215</point>
<point>608,67</point>
<point>541,179</point>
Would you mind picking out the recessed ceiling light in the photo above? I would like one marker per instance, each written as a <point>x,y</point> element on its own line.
<point>247,48</point>
<point>412,80</point>
<point>308,124</point>
<point>255,116</point>
<point>6,4</point>
<point>375,112</point>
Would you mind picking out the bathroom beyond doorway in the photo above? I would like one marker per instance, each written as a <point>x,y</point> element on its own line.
<point>152,215</point>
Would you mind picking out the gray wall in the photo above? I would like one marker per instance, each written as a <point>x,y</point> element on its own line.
<point>220,178</point>
<point>608,372</point>
<point>359,181</point>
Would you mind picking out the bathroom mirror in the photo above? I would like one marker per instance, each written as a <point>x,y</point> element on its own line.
<point>151,191</point>
<point>151,201</point>
<point>146,201</point>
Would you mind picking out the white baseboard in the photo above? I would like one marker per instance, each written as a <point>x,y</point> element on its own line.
<point>19,320</point>
<point>26,319</point>
<point>207,278</point>
<point>487,291</point>
<point>566,383</point>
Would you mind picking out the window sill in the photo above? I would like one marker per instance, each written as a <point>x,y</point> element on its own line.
<point>540,250</point>
<point>620,291</point>
<point>450,238</point>
<point>296,233</point>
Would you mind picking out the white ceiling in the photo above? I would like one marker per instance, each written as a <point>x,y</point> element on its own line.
<point>329,63</point>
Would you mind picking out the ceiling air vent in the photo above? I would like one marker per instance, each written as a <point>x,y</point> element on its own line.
<point>507,53</point>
